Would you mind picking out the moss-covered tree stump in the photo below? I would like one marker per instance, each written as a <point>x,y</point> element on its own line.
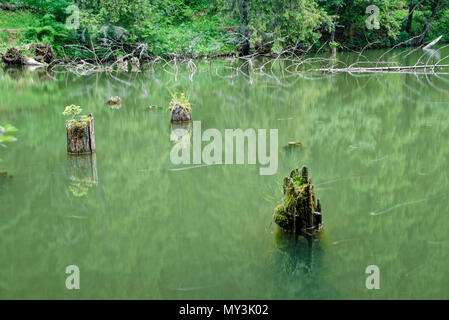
<point>300,213</point>
<point>81,136</point>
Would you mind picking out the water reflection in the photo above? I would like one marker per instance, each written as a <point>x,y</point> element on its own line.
<point>83,174</point>
<point>181,133</point>
<point>376,142</point>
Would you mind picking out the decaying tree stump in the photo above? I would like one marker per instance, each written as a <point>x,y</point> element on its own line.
<point>179,113</point>
<point>31,54</point>
<point>114,102</point>
<point>81,136</point>
<point>43,53</point>
<point>300,213</point>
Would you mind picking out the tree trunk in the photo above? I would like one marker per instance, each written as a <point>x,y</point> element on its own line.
<point>435,7</point>
<point>411,11</point>
<point>244,13</point>
<point>81,136</point>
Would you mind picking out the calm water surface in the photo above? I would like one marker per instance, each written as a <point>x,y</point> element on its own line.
<point>139,228</point>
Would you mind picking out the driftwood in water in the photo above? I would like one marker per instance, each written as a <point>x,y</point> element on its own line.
<point>300,213</point>
<point>434,42</point>
<point>382,69</point>
<point>81,136</point>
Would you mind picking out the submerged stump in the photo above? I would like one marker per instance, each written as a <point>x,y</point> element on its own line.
<point>180,110</point>
<point>299,213</point>
<point>115,102</point>
<point>81,136</point>
<point>179,113</point>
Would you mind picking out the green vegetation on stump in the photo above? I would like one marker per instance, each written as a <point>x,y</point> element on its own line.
<point>300,212</point>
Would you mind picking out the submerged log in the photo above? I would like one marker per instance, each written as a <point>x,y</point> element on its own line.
<point>383,69</point>
<point>81,136</point>
<point>299,213</point>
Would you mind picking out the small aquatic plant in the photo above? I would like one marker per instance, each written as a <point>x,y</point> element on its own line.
<point>181,100</point>
<point>72,110</point>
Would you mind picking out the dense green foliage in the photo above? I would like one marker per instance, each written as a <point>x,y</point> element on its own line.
<point>217,27</point>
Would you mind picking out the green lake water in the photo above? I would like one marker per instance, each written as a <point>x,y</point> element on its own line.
<point>138,227</point>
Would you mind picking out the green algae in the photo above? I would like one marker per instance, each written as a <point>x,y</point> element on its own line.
<point>300,212</point>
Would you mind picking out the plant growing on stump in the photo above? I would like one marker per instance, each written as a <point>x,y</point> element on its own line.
<point>300,212</point>
<point>75,124</point>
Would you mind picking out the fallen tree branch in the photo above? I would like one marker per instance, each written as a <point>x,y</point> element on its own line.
<point>382,69</point>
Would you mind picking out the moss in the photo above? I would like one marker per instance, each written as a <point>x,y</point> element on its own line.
<point>78,127</point>
<point>281,218</point>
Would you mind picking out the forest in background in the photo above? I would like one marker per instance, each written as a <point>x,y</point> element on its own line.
<point>210,28</point>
